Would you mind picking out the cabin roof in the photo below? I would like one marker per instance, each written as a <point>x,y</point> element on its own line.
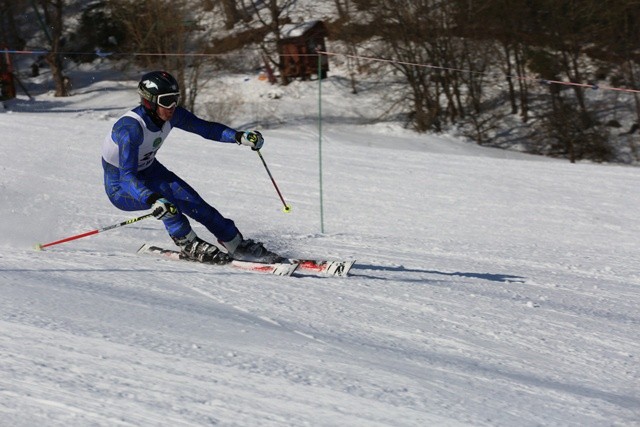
<point>297,30</point>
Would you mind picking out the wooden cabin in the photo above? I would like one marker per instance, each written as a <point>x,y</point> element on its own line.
<point>297,51</point>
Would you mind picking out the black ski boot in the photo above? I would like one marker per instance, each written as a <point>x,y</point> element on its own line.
<point>195,249</point>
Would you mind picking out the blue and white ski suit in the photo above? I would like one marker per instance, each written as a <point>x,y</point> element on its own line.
<point>132,174</point>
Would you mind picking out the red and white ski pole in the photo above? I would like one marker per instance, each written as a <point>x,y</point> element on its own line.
<point>41,246</point>
<point>286,208</point>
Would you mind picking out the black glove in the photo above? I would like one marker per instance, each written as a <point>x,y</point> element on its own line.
<point>161,207</point>
<point>251,138</point>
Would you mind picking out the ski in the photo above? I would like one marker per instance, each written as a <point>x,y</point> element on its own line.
<point>278,269</point>
<point>328,268</point>
<point>285,268</point>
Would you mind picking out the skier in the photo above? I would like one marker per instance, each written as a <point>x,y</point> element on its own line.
<point>135,180</point>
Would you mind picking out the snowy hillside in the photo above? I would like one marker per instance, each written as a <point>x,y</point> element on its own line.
<point>491,288</point>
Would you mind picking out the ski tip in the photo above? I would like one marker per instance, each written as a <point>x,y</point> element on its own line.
<point>38,247</point>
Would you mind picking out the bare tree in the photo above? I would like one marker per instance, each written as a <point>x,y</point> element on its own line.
<point>52,13</point>
<point>417,35</point>
<point>9,29</point>
<point>351,35</point>
<point>161,32</point>
<point>271,15</point>
<point>504,22</point>
<point>231,13</point>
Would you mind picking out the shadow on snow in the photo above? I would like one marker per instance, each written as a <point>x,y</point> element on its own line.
<point>492,277</point>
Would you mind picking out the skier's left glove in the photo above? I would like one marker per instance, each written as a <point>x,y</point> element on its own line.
<point>251,138</point>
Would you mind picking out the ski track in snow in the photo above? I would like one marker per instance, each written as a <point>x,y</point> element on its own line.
<point>490,288</point>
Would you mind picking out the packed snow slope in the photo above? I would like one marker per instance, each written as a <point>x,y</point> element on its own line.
<point>490,288</point>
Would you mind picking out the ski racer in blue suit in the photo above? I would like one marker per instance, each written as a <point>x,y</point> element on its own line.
<point>135,180</point>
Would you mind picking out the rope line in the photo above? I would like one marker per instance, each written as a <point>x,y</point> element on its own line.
<point>102,54</point>
<point>538,80</point>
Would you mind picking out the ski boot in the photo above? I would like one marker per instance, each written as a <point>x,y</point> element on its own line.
<point>249,250</point>
<point>195,249</point>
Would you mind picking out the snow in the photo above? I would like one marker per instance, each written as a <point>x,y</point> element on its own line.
<point>491,287</point>
<point>297,30</point>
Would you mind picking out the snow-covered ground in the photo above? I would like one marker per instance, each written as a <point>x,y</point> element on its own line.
<point>491,288</point>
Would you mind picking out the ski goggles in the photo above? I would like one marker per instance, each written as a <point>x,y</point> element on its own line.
<point>168,100</point>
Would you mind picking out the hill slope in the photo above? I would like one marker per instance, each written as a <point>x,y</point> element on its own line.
<point>490,289</point>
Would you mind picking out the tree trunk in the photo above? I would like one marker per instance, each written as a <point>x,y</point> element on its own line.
<point>231,15</point>
<point>62,83</point>
<point>53,18</point>
<point>509,72</point>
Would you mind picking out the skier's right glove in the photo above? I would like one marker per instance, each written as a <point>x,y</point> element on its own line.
<point>162,208</point>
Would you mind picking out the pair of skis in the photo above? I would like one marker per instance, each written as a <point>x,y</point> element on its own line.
<point>285,268</point>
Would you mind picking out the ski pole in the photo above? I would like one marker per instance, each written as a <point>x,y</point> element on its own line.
<point>41,246</point>
<point>286,208</point>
